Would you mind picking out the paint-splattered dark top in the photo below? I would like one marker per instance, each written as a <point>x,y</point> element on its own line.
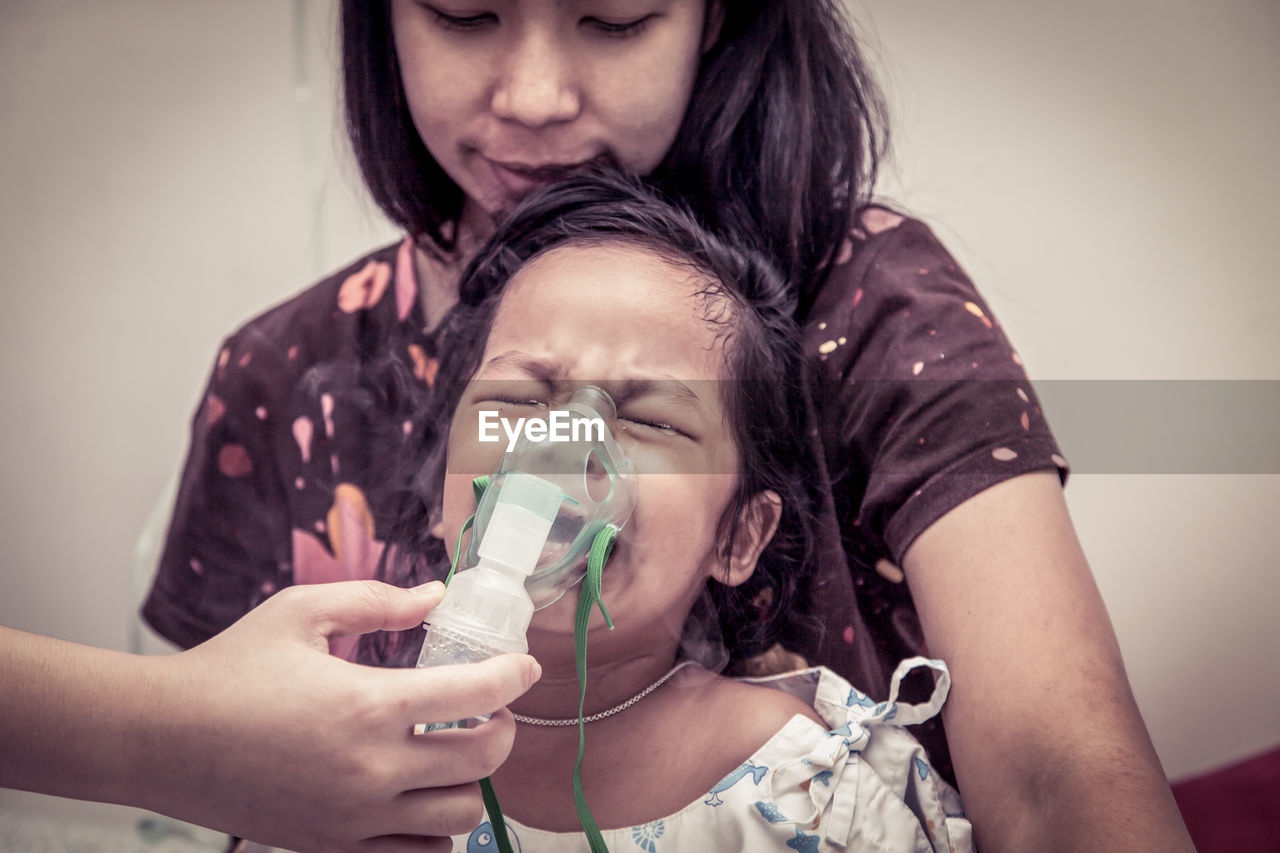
<point>924,404</point>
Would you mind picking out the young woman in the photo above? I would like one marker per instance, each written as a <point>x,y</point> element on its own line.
<point>942,472</point>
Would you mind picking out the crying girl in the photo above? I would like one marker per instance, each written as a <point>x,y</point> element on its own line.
<point>596,282</point>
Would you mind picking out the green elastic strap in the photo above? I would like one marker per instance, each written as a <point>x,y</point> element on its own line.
<point>588,597</point>
<point>490,797</point>
<point>496,820</point>
<point>480,485</point>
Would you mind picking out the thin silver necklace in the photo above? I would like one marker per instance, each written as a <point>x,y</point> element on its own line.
<point>573,721</point>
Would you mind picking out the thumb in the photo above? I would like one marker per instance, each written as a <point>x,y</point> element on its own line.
<point>358,607</point>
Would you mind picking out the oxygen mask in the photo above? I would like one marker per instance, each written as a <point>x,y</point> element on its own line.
<point>577,454</point>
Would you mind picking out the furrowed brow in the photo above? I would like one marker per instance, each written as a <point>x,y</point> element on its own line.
<point>672,390</point>
<point>536,368</point>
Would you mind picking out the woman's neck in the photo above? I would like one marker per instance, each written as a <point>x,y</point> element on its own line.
<point>438,271</point>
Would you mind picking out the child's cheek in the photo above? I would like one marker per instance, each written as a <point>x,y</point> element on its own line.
<point>459,503</point>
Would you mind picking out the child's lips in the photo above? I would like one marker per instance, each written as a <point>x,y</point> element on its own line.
<point>552,553</point>
<point>566,528</point>
<point>564,532</point>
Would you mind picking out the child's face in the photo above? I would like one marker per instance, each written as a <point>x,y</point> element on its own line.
<point>498,88</point>
<point>619,317</point>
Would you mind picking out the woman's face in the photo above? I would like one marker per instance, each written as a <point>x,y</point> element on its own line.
<point>621,318</point>
<point>500,89</point>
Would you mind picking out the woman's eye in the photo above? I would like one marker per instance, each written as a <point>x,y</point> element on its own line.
<point>463,23</point>
<point>618,29</point>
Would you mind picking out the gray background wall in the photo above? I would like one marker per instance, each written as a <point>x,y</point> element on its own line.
<point>1104,170</point>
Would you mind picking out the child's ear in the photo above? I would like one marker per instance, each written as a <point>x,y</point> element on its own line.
<point>757,523</point>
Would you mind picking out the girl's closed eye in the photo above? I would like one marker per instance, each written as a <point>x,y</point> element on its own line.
<point>635,423</point>
<point>520,401</point>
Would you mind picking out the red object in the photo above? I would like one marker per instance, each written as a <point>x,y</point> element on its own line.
<point>1235,808</point>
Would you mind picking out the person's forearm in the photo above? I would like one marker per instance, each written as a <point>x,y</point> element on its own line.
<point>1049,749</point>
<point>1092,783</point>
<point>1112,805</point>
<point>71,717</point>
<point>259,731</point>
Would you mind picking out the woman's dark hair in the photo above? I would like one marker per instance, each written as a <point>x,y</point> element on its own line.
<point>781,139</point>
<point>764,399</point>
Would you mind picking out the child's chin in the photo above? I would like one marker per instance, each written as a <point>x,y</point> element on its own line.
<point>552,645</point>
<point>552,627</point>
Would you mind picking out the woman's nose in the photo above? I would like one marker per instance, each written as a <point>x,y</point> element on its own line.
<point>536,85</point>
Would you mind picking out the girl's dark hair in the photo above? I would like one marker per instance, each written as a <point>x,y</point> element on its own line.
<point>764,398</point>
<point>781,139</point>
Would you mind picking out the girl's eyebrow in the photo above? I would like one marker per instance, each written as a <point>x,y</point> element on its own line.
<point>536,368</point>
<point>668,388</point>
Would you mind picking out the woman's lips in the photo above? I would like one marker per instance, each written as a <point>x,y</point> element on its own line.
<point>516,180</point>
<point>519,179</point>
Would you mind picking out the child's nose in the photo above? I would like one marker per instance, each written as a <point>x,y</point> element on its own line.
<point>537,84</point>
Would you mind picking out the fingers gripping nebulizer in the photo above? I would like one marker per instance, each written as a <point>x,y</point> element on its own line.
<point>548,503</point>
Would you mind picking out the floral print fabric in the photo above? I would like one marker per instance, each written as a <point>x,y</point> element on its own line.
<point>286,472</point>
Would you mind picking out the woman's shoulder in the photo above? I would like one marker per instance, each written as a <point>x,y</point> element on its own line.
<point>888,267</point>
<point>923,382</point>
<point>881,234</point>
<point>376,290</point>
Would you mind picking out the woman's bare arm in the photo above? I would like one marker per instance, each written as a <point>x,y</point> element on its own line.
<point>1049,749</point>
